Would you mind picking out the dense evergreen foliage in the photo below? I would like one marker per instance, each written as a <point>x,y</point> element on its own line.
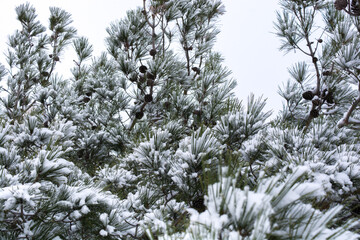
<point>147,140</point>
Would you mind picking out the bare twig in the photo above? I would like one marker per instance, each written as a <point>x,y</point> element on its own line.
<point>346,120</point>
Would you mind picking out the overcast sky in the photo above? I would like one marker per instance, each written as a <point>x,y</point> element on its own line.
<point>246,40</point>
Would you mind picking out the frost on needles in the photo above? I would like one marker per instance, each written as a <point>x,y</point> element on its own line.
<point>148,141</point>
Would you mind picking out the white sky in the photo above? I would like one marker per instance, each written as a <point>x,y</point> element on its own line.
<point>246,40</point>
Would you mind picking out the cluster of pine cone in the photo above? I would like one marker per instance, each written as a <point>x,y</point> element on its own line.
<point>317,101</point>
<point>143,80</point>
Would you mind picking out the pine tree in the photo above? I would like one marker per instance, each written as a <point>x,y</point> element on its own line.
<point>43,194</point>
<point>325,91</point>
<point>147,140</point>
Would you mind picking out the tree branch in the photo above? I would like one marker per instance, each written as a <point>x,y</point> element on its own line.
<point>346,120</point>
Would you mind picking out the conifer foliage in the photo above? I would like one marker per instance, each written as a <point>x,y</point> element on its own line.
<point>147,141</point>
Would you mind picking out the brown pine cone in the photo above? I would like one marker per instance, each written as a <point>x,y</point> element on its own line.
<point>314,113</point>
<point>308,95</point>
<point>316,102</point>
<point>139,115</point>
<point>153,52</point>
<point>142,69</point>
<point>148,98</point>
<point>340,4</point>
<point>196,69</point>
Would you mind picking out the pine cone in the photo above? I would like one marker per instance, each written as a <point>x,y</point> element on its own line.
<point>139,115</point>
<point>196,69</point>
<point>143,69</point>
<point>316,102</point>
<point>148,98</point>
<point>308,95</point>
<point>314,113</point>
<point>340,4</point>
<point>86,99</point>
<point>153,52</point>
